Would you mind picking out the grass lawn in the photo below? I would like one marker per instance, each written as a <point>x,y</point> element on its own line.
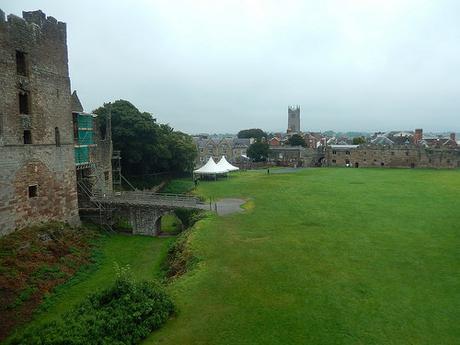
<point>324,256</point>
<point>143,254</point>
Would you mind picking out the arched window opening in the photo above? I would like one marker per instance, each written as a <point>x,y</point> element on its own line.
<point>57,136</point>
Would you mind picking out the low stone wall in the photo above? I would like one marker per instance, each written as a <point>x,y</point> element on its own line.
<point>394,157</point>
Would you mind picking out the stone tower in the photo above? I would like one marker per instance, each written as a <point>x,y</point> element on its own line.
<point>418,135</point>
<point>37,166</point>
<point>293,119</point>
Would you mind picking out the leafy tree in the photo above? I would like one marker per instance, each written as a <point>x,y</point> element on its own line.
<point>258,151</point>
<point>146,146</point>
<point>183,151</point>
<point>359,140</point>
<point>256,133</point>
<point>296,140</point>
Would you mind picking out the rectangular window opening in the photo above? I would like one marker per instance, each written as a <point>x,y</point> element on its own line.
<point>33,191</point>
<point>27,137</point>
<point>21,67</point>
<point>23,103</point>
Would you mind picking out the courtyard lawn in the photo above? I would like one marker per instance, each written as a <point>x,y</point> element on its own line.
<point>325,256</point>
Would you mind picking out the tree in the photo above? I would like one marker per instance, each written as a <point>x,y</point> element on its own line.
<point>296,140</point>
<point>258,151</point>
<point>359,140</point>
<point>256,133</point>
<point>183,151</point>
<point>145,145</point>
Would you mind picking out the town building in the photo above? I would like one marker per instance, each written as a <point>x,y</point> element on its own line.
<point>275,141</point>
<point>234,149</point>
<point>397,149</point>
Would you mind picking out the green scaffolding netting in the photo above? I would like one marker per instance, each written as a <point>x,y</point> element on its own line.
<point>85,137</point>
<point>85,121</point>
<point>81,155</point>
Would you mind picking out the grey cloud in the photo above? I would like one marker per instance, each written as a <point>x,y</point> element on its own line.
<point>206,66</point>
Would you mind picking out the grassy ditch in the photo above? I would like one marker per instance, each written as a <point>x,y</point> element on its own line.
<point>35,260</point>
<point>180,258</point>
<point>50,274</point>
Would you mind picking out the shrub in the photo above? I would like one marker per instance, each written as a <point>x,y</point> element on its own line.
<point>125,313</point>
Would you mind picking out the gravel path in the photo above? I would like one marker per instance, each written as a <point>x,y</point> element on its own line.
<point>226,206</point>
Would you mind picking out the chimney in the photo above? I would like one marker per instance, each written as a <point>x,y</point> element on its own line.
<point>418,135</point>
<point>452,136</point>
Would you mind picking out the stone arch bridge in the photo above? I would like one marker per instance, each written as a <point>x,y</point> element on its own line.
<point>143,210</point>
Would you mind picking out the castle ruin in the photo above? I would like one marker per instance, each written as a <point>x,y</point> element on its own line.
<point>37,166</point>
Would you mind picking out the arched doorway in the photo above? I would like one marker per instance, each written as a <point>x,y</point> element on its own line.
<point>356,165</point>
<point>321,162</point>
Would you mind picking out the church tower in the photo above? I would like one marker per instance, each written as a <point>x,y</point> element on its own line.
<point>293,119</point>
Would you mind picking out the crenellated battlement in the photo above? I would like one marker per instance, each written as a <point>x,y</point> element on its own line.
<point>33,22</point>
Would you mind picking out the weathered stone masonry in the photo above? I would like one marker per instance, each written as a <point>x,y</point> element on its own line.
<point>37,169</point>
<point>406,156</point>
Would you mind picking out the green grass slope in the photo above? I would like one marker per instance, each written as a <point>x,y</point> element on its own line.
<point>143,254</point>
<point>325,256</point>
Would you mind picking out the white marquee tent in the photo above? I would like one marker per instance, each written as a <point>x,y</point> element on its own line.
<point>210,168</point>
<point>224,164</point>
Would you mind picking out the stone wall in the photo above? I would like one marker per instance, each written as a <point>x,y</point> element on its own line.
<point>410,156</point>
<point>295,156</point>
<point>48,161</point>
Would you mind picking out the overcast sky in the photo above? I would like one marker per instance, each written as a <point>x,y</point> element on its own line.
<point>219,66</point>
